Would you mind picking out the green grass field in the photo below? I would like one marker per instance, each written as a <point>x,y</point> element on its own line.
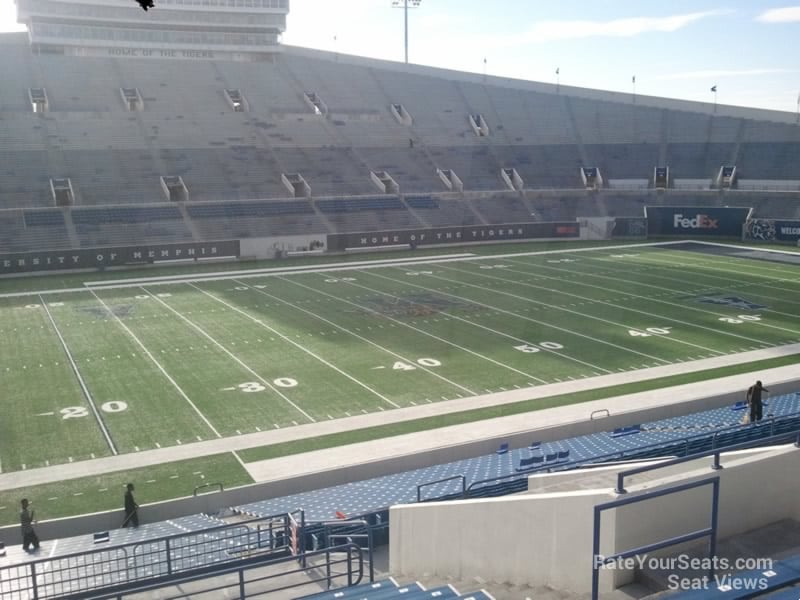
<point>116,370</point>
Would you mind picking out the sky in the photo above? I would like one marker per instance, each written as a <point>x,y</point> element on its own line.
<point>748,49</point>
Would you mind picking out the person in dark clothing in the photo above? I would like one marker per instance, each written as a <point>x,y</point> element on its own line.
<point>29,537</point>
<point>754,400</point>
<point>131,509</point>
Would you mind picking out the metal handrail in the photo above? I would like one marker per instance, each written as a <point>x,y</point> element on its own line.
<point>427,483</point>
<point>620,489</point>
<point>621,453</point>
<point>711,532</point>
<point>154,540</point>
<point>354,574</point>
<point>205,485</point>
<point>599,410</point>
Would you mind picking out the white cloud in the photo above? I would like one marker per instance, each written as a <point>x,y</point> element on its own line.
<point>789,14</point>
<point>720,73</point>
<point>548,31</point>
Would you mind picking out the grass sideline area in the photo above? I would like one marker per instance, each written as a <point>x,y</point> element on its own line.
<point>94,494</point>
<point>149,367</point>
<point>470,416</point>
<point>85,495</point>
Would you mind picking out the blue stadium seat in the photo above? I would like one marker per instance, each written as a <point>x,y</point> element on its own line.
<point>789,594</point>
<point>447,591</point>
<point>748,584</point>
<point>629,430</point>
<point>503,449</point>
<point>479,595</point>
<point>402,591</point>
<point>364,590</point>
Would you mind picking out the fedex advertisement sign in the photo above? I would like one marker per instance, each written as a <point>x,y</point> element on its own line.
<point>693,221</point>
<point>697,222</point>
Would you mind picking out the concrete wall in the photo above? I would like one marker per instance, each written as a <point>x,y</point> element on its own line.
<point>755,490</point>
<point>267,247</point>
<point>535,540</point>
<point>546,539</point>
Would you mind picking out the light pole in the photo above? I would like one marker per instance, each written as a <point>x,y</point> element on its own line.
<point>404,4</point>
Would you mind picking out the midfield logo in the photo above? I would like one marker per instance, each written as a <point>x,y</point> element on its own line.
<point>732,301</point>
<point>101,312</point>
<point>698,222</point>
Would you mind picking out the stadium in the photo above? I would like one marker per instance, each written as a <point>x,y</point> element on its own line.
<point>370,329</point>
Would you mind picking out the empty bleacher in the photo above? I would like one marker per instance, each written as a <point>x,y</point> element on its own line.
<point>23,231</point>
<point>389,589</point>
<point>497,474</point>
<point>367,214</point>
<point>129,225</point>
<point>233,220</point>
<point>503,209</point>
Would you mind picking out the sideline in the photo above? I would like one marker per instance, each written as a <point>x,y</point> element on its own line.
<point>318,268</point>
<point>134,460</point>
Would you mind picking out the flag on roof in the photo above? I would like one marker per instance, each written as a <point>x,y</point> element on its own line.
<point>633,79</point>
<point>714,88</point>
<point>557,70</point>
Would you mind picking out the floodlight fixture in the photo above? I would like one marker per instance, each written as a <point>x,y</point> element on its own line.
<point>405,5</point>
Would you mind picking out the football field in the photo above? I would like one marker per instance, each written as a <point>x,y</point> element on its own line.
<point>120,369</point>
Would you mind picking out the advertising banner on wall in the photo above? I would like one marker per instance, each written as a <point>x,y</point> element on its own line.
<point>96,258</point>
<point>629,227</point>
<point>453,235</point>
<point>693,221</point>
<point>770,230</point>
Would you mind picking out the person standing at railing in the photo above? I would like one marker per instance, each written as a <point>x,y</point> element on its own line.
<point>26,518</point>
<point>131,508</point>
<point>754,400</point>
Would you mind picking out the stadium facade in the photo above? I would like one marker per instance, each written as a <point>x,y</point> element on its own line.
<point>204,128</point>
<point>190,132</point>
<point>187,29</point>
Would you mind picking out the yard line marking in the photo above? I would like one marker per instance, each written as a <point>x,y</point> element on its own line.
<point>231,355</point>
<point>620,306</point>
<point>238,458</point>
<point>363,339</point>
<point>224,275</point>
<point>291,341</point>
<point>436,337</point>
<point>86,393</point>
<point>500,333</point>
<point>653,299</point>
<point>740,283</point>
<point>701,263</point>
<point>158,365</point>
<point>518,316</point>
